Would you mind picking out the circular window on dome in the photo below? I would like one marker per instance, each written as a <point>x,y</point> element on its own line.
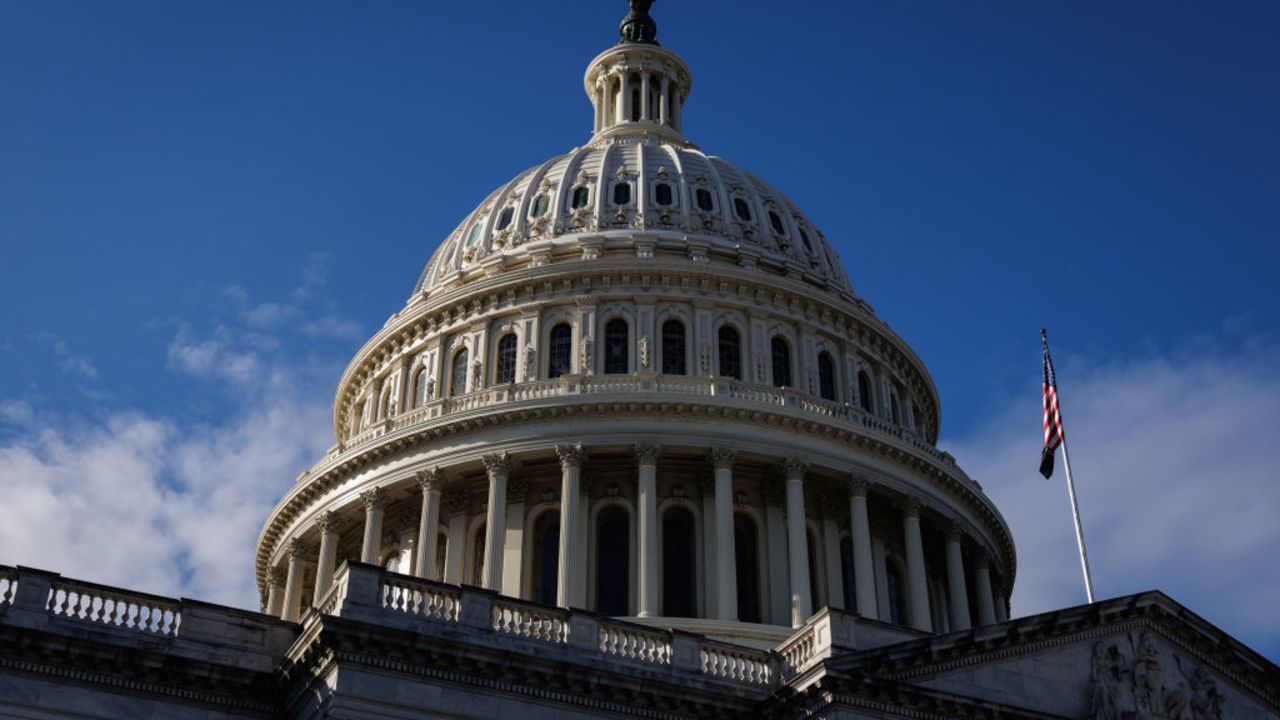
<point>742,209</point>
<point>776,223</point>
<point>622,193</point>
<point>581,196</point>
<point>662,194</point>
<point>540,205</point>
<point>504,219</point>
<point>476,231</point>
<point>703,198</point>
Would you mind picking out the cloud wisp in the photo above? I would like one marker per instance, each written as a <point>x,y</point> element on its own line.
<point>1175,464</point>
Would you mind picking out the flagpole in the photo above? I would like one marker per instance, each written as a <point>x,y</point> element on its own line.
<point>1075,515</point>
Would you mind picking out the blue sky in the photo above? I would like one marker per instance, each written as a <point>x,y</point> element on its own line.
<point>205,207</point>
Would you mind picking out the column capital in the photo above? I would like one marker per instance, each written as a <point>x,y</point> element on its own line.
<point>497,464</point>
<point>328,521</point>
<point>570,454</point>
<point>373,499</point>
<point>722,457</point>
<point>276,577</point>
<point>858,486</point>
<point>911,506</point>
<point>954,531</point>
<point>430,480</point>
<point>296,548</point>
<point>647,453</point>
<point>795,468</point>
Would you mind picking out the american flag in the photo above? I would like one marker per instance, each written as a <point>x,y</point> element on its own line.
<point>1052,417</point>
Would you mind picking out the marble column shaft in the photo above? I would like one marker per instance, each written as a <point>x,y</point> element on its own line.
<point>798,543</point>
<point>498,467</point>
<point>374,503</point>
<point>726,557</point>
<point>428,525</point>
<point>275,591</point>
<point>647,500</point>
<point>864,578</point>
<point>327,559</point>
<point>567,579</point>
<point>986,605</point>
<point>293,582</point>
<point>917,585</point>
<point>956,588</point>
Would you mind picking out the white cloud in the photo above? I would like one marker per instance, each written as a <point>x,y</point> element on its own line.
<point>73,363</point>
<point>17,412</point>
<point>333,326</point>
<point>1175,462</point>
<point>269,315</point>
<point>211,358</point>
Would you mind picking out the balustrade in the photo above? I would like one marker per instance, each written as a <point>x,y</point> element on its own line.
<point>528,620</point>
<point>103,605</point>
<point>739,664</point>
<point>420,597</point>
<point>635,643</point>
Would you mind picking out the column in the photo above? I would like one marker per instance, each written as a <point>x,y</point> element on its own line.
<point>646,112</point>
<point>726,560</point>
<point>647,502</point>
<point>917,587</point>
<point>1002,605</point>
<point>624,99</point>
<point>775,531</point>
<point>883,607</point>
<point>424,565</point>
<point>275,591</point>
<point>797,543</point>
<point>986,605</point>
<point>328,558</point>
<point>664,113</point>
<point>513,545</point>
<point>569,573</point>
<point>831,552</point>
<point>456,502</point>
<point>864,579</point>
<point>956,588</point>
<point>375,502</point>
<point>293,583</point>
<point>710,551</point>
<point>601,99</point>
<point>497,466</point>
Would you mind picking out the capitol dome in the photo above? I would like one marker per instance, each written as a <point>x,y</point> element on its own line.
<point>637,380</point>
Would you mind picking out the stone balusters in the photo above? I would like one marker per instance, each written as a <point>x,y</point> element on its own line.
<point>726,562</point>
<point>986,604</point>
<point>498,468</point>
<point>375,502</point>
<point>569,573</point>
<point>797,542</point>
<point>293,581</point>
<point>424,565</point>
<point>326,562</point>
<point>917,586</point>
<point>864,579</point>
<point>958,591</point>
<point>647,500</point>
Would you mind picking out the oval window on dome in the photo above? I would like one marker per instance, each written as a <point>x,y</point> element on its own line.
<point>703,198</point>
<point>804,237</point>
<point>505,218</point>
<point>662,194</point>
<point>581,196</point>
<point>742,209</point>
<point>540,205</point>
<point>476,231</point>
<point>622,194</point>
<point>776,223</point>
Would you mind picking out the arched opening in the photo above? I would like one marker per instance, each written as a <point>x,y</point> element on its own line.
<point>781,351</point>
<point>814,600</point>
<point>895,411</point>
<point>613,561</point>
<point>560,352</point>
<point>458,375</point>
<point>581,197</point>
<point>420,388</point>
<point>546,558</point>
<point>616,357</point>
<point>894,585</point>
<point>847,576</point>
<point>477,555</point>
<point>864,391</point>
<point>730,352</point>
<point>673,349</point>
<point>747,563</point>
<point>384,405</point>
<point>677,563</point>
<point>826,376</point>
<point>505,362</point>
<point>442,552</point>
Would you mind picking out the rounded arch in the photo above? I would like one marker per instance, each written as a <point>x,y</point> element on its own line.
<point>473,556</point>
<point>895,580</point>
<point>680,551</point>
<point>750,553</point>
<point>730,348</point>
<point>781,361</point>
<point>541,553</point>
<point>615,341</point>
<point>611,556</point>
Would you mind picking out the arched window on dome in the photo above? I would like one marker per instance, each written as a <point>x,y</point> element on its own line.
<point>505,365</point>
<point>540,206</point>
<point>826,376</point>
<point>804,238</point>
<point>420,388</point>
<point>730,349</point>
<point>702,197</point>
<point>616,358</point>
<point>476,231</point>
<point>742,209</point>
<point>560,352</point>
<point>546,558</point>
<point>673,348</point>
<point>622,193</point>
<point>458,374</point>
<point>746,546</point>
<point>613,561</point>
<point>918,418</point>
<point>678,547</point>
<point>581,197</point>
<point>385,402</point>
<point>865,399</point>
<point>775,222</point>
<point>505,218</point>
<point>781,351</point>
<point>662,194</point>
<point>895,408</point>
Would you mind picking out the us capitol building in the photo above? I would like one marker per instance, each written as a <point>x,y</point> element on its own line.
<point>634,447</point>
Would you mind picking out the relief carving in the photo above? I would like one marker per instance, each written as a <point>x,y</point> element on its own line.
<point>1140,690</point>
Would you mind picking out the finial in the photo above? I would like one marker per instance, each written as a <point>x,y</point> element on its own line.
<point>637,26</point>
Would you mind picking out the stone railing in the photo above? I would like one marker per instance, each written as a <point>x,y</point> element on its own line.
<point>372,594</point>
<point>8,584</point>
<point>652,383</point>
<point>88,602</point>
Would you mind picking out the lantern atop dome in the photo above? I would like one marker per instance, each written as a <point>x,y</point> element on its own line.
<point>637,87</point>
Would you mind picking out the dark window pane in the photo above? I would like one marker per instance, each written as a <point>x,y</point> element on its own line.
<point>622,193</point>
<point>826,377</point>
<point>804,238</point>
<point>864,391</point>
<point>580,197</point>
<point>781,362</point>
<point>703,198</point>
<point>662,194</point>
<point>615,347</point>
<point>420,389</point>
<point>776,223</point>
<point>677,563</point>
<point>458,378</point>
<point>560,354</point>
<point>540,205</point>
<point>613,561</point>
<point>743,210</point>
<point>506,359</point>
<point>893,583</point>
<point>673,347</point>
<point>546,555</point>
<point>477,559</point>
<point>847,575</point>
<point>730,353</point>
<point>505,218</point>
<point>747,565</point>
